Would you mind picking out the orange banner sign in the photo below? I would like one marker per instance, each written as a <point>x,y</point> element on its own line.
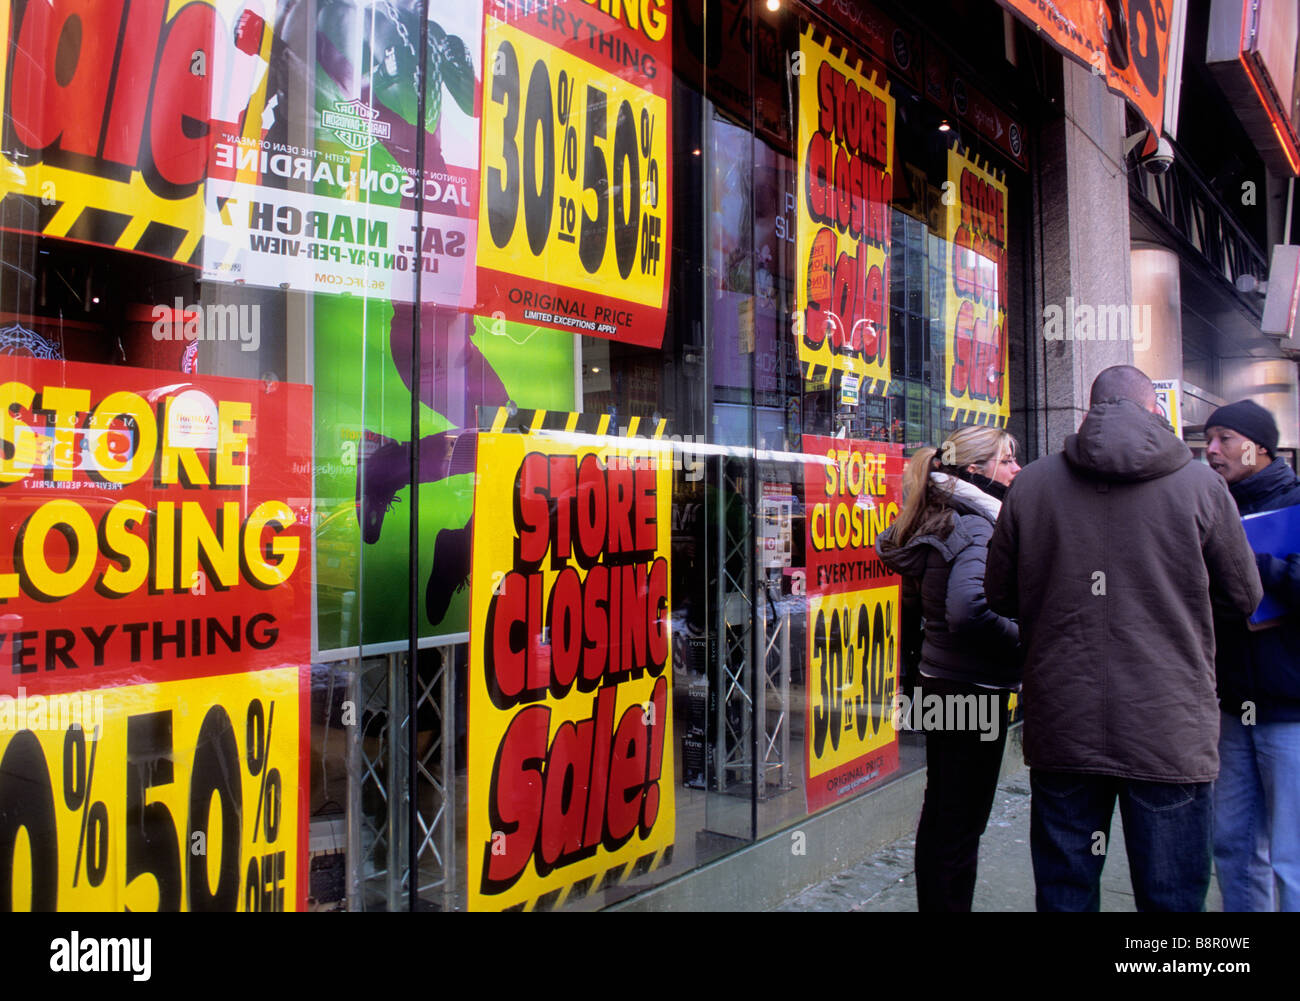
<point>1127,41</point>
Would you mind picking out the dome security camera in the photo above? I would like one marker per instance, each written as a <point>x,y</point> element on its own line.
<point>1160,160</point>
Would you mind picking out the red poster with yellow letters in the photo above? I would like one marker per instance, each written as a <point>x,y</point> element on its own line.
<point>571,771</point>
<point>851,495</point>
<point>155,601</point>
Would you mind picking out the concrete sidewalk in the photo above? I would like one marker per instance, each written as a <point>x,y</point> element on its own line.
<point>886,880</point>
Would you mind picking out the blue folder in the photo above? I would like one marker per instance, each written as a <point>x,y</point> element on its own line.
<point>1276,533</point>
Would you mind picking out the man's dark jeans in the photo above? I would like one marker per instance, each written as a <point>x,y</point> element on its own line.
<point>1167,829</point>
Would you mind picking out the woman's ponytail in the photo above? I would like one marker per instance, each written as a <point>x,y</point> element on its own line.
<point>917,495</point>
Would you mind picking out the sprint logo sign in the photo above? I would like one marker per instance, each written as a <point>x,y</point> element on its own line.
<point>354,122</point>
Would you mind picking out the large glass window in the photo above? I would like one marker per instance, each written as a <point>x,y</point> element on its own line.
<point>483,477</point>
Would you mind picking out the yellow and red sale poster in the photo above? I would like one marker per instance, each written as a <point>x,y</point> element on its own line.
<point>845,152</point>
<point>571,771</point>
<point>575,225</point>
<point>111,150</point>
<point>977,383</point>
<point>852,490</point>
<point>155,603</point>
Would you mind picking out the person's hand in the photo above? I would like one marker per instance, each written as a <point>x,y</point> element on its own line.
<point>1273,569</point>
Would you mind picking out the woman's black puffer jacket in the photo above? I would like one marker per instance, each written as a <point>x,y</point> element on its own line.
<point>964,639</point>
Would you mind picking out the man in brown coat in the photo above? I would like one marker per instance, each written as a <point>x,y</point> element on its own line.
<point>1112,554</point>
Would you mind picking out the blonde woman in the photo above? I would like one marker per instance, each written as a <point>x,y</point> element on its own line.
<point>939,543</point>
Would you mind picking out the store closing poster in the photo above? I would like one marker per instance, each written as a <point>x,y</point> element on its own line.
<point>576,196</point>
<point>976,384</point>
<point>854,614</point>
<point>571,774</point>
<point>845,154</point>
<point>155,597</point>
<point>1169,402</point>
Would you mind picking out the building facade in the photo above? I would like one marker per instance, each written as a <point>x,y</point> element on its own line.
<point>479,480</point>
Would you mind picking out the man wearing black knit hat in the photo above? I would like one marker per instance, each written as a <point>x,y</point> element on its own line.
<point>1236,435</point>
<point>1257,796</point>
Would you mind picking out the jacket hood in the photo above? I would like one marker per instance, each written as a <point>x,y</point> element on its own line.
<point>1118,440</point>
<point>910,560</point>
<point>965,499</point>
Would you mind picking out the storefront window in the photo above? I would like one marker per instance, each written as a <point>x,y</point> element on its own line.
<point>589,373</point>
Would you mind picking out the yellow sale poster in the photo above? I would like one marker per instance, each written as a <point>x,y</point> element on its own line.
<point>846,152</point>
<point>1169,400</point>
<point>570,693</point>
<point>976,383</point>
<point>182,795</point>
<point>576,185</point>
<point>853,674</point>
<point>155,612</point>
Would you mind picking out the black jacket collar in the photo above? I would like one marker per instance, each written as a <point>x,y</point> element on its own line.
<point>1272,487</point>
<point>991,487</point>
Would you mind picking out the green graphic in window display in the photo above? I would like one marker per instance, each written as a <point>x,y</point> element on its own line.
<point>363,458</point>
<point>365,107</point>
